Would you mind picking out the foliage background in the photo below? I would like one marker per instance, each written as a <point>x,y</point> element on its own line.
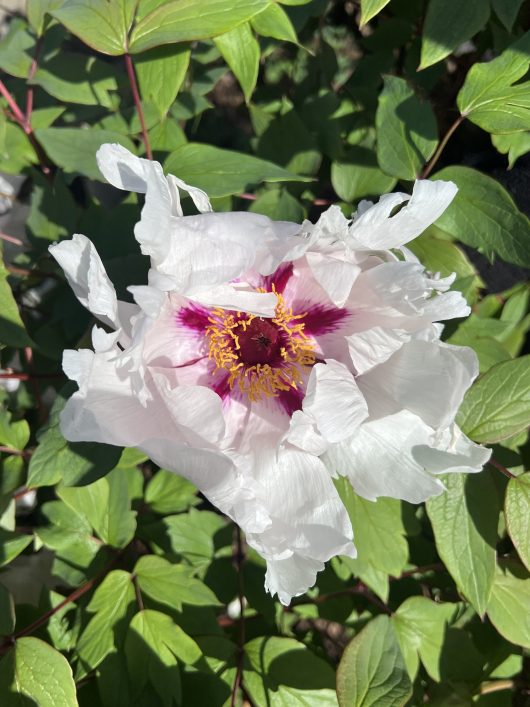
<point>119,585</point>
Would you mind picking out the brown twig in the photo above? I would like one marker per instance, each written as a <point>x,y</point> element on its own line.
<point>434,159</point>
<point>138,103</point>
<point>239,558</point>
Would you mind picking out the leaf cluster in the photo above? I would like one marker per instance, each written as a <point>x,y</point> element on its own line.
<point>119,586</point>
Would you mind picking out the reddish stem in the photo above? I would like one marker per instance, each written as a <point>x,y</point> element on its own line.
<point>10,239</point>
<point>17,113</point>
<point>29,95</point>
<point>30,376</point>
<point>441,147</point>
<point>138,103</point>
<point>17,453</point>
<point>501,468</point>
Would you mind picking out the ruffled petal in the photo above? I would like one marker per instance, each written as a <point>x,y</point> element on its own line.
<point>334,401</point>
<point>452,451</point>
<point>377,229</point>
<point>309,522</point>
<point>428,378</point>
<point>374,346</point>
<point>378,460</point>
<point>334,274</point>
<point>87,277</point>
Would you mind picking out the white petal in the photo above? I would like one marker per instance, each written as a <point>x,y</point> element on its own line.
<point>87,277</point>
<point>377,229</point>
<point>335,275</point>
<point>7,195</point>
<point>309,522</point>
<point>149,299</point>
<point>77,365</point>
<point>198,196</point>
<point>453,452</point>
<point>261,304</point>
<point>379,460</point>
<point>303,434</point>
<point>334,401</point>
<point>427,378</point>
<point>104,341</point>
<point>373,346</point>
<point>122,169</point>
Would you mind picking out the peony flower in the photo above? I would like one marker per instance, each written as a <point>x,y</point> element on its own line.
<point>264,358</point>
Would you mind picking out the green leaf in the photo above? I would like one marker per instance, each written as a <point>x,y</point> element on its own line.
<point>288,671</point>
<point>102,24</point>
<point>223,172</point>
<point>447,24</point>
<point>69,535</point>
<point>75,79</point>
<point>7,612</point>
<point>161,73</point>
<point>278,205</point>
<point>509,602</point>
<point>189,20</point>
<point>493,96</point>
<point>356,175</point>
<point>170,493</point>
<point>16,50</point>
<point>407,133</point>
<point>53,212</point>
<point>372,670</point>
<point>34,673</point>
<point>73,463</point>
<point>105,633</point>
<point>12,330</point>
<point>13,434</point>
<point>274,22</point>
<point>37,10</point>
<point>371,8</point>
<point>497,406</point>
<point>377,528</point>
<point>11,545</point>
<point>515,145</point>
<point>106,506</point>
<point>152,647</point>
<point>465,532</point>
<point>507,11</point>
<point>58,142</point>
<point>289,142</point>
<point>172,585</point>
<point>241,52</point>
<point>420,625</point>
<point>517,512</point>
<point>484,216</point>
<point>188,535</point>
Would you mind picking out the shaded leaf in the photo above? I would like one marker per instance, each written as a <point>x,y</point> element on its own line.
<point>497,405</point>
<point>484,215</point>
<point>35,670</point>
<point>465,531</point>
<point>372,670</point>
<point>189,20</point>
<point>517,511</point>
<point>223,172</point>
<point>241,52</point>
<point>447,24</point>
<point>407,133</point>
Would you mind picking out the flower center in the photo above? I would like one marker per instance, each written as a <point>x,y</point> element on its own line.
<point>262,356</point>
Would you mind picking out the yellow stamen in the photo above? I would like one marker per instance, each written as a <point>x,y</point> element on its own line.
<point>261,380</point>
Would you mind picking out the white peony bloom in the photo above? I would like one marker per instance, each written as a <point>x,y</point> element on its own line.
<point>264,358</point>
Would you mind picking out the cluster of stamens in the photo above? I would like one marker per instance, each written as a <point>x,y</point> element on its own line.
<point>262,356</point>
